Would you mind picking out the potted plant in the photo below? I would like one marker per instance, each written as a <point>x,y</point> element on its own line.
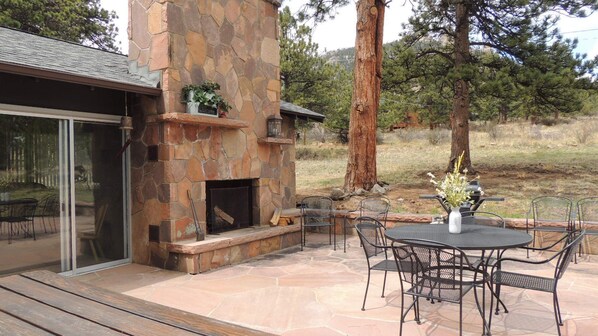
<point>204,99</point>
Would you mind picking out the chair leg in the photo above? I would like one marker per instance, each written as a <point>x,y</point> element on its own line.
<point>557,309</point>
<point>402,314</point>
<point>100,249</point>
<point>497,294</point>
<point>10,232</point>
<point>44,223</point>
<point>93,250</point>
<point>416,310</point>
<point>557,313</point>
<point>33,227</point>
<point>367,286</point>
<point>302,236</point>
<point>533,243</point>
<point>332,230</point>
<point>461,317</point>
<point>384,283</point>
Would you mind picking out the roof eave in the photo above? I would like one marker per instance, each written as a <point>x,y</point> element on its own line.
<point>302,116</point>
<point>18,69</point>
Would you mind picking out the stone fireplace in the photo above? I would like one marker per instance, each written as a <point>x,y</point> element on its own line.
<point>229,205</point>
<point>174,154</point>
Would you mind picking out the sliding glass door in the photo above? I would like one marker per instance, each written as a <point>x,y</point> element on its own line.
<point>62,194</point>
<point>98,176</point>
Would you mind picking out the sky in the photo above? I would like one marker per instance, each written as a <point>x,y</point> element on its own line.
<point>340,32</point>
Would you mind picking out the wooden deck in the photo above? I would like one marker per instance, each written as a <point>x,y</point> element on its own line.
<point>44,303</point>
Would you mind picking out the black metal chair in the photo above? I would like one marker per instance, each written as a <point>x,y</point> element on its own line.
<point>500,278</point>
<point>548,214</point>
<point>482,218</point>
<point>48,210</point>
<point>436,272</point>
<point>316,211</point>
<point>373,240</point>
<point>587,219</point>
<point>376,207</point>
<point>20,213</point>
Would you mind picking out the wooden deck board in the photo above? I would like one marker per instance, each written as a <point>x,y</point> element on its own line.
<point>90,310</point>
<point>48,318</point>
<point>10,325</point>
<point>62,306</point>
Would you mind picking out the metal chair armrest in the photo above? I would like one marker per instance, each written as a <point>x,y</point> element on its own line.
<point>547,247</point>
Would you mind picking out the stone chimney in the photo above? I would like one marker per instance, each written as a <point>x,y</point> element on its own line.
<point>235,44</point>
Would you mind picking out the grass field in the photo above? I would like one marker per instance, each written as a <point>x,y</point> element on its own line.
<point>518,161</point>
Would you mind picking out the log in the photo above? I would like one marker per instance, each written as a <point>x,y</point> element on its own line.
<point>275,217</point>
<point>223,215</point>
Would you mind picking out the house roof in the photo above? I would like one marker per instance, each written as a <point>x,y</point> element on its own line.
<point>32,55</point>
<point>300,112</point>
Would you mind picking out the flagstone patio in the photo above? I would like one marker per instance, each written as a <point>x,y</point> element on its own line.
<point>319,291</point>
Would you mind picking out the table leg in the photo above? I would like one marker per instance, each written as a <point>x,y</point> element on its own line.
<point>483,268</point>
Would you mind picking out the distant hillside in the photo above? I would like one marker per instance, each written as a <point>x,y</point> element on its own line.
<point>344,57</point>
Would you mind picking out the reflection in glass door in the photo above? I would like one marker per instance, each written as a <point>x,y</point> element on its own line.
<point>98,199</point>
<point>34,232</point>
<point>62,200</point>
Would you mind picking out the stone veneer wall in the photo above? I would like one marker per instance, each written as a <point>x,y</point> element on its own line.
<point>231,42</point>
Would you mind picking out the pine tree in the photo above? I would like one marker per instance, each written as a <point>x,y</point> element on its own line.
<point>79,21</point>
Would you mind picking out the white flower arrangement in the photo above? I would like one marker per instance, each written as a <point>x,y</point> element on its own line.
<point>454,187</point>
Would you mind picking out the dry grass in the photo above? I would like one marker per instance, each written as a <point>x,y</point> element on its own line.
<point>518,161</point>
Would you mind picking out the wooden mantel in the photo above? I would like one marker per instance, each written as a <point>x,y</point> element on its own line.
<point>194,119</point>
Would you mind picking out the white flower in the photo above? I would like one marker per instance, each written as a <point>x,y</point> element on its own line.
<point>453,188</point>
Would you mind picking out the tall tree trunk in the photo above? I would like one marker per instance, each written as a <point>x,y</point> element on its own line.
<point>460,113</point>
<point>361,165</point>
<point>502,114</point>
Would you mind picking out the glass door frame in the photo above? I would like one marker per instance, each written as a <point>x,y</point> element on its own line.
<point>68,189</point>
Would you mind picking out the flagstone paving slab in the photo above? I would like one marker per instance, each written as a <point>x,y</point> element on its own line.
<point>319,292</point>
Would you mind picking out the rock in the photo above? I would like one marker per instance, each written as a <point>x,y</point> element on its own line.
<point>337,194</point>
<point>359,192</point>
<point>378,190</point>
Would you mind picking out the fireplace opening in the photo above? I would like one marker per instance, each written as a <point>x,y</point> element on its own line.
<point>229,205</point>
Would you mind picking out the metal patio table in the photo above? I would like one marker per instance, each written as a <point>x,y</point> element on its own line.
<point>472,237</point>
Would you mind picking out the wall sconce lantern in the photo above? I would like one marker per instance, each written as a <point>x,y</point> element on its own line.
<point>274,126</point>
<point>126,122</point>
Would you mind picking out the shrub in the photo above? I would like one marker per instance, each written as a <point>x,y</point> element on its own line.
<point>314,153</point>
<point>437,136</point>
<point>407,134</point>
<point>493,131</point>
<point>584,132</point>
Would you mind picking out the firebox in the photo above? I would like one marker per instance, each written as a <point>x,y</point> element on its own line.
<point>229,205</point>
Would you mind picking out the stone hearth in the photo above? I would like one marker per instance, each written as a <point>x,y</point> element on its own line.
<point>230,247</point>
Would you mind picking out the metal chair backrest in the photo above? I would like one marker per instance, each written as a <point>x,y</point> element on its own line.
<point>443,264</point>
<point>547,209</point>
<point>51,206</point>
<point>587,211</point>
<point>482,218</point>
<point>316,209</point>
<point>23,209</point>
<point>376,207</point>
<point>568,252</point>
<point>371,234</point>
<point>402,255</point>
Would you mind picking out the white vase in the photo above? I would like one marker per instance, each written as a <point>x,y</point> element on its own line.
<point>454,220</point>
<point>192,107</point>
